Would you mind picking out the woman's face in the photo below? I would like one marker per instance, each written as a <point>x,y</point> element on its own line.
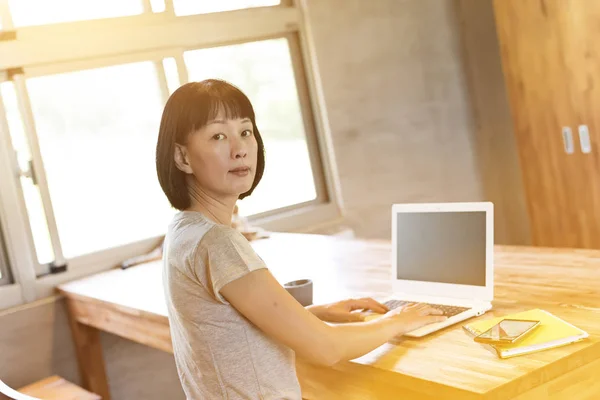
<point>222,156</point>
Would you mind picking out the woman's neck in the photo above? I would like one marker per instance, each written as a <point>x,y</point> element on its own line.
<point>221,215</point>
<point>220,210</point>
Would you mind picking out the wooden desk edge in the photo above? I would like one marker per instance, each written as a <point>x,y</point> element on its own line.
<point>139,326</point>
<point>125,309</point>
<point>574,367</point>
<point>349,380</point>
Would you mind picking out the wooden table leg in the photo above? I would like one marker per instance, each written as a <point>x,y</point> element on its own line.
<point>89,354</point>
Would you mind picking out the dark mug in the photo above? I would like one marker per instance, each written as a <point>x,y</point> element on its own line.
<point>301,290</point>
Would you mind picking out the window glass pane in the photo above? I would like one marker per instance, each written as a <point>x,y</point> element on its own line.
<point>97,131</point>
<point>157,5</point>
<point>31,193</point>
<point>37,220</point>
<point>15,124</point>
<point>189,7</point>
<point>263,70</point>
<point>3,261</point>
<point>39,12</point>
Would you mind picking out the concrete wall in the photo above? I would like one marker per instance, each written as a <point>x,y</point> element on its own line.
<point>402,108</point>
<point>400,102</point>
<point>398,105</point>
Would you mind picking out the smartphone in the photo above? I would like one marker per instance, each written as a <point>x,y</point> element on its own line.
<point>507,331</point>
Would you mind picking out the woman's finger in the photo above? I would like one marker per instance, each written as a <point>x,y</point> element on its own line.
<point>430,311</point>
<point>358,304</point>
<point>374,305</point>
<point>368,303</point>
<point>414,306</point>
<point>435,311</point>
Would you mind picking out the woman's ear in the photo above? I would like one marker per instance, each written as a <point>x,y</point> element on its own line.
<point>181,159</point>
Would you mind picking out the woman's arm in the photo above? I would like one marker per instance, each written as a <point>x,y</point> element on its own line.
<point>263,301</point>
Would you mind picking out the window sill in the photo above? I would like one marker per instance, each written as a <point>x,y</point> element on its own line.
<point>10,296</point>
<point>304,219</point>
<point>90,264</point>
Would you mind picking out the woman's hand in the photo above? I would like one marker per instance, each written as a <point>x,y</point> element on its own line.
<point>414,316</point>
<point>342,311</point>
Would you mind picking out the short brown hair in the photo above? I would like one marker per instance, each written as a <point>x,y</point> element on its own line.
<point>188,109</point>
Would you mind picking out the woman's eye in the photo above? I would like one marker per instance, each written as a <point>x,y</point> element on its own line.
<point>219,136</point>
<point>246,133</point>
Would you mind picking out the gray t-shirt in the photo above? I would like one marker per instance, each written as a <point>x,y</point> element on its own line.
<point>218,352</point>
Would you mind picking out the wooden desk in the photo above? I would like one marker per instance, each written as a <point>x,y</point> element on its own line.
<point>444,365</point>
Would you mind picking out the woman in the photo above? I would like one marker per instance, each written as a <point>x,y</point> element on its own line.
<point>235,329</point>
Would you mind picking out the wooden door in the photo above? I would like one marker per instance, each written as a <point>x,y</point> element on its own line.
<point>536,70</point>
<point>582,49</point>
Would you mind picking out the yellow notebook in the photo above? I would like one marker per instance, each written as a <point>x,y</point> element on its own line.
<point>552,332</point>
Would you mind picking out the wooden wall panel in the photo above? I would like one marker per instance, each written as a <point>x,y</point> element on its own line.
<point>582,51</point>
<point>535,69</point>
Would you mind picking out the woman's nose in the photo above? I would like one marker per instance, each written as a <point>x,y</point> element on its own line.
<point>239,151</point>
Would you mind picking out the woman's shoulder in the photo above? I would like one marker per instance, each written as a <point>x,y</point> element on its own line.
<point>187,229</point>
<point>223,235</point>
<point>203,231</point>
<point>226,249</point>
<point>190,220</point>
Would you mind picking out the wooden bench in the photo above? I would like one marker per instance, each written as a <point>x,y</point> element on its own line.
<point>55,388</point>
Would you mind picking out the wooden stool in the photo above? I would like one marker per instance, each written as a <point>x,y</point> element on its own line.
<point>57,388</point>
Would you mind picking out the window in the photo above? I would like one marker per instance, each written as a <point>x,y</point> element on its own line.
<point>31,192</point>
<point>263,70</point>
<point>81,106</point>
<point>97,132</point>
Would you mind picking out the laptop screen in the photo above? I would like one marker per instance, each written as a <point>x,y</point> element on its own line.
<point>442,247</point>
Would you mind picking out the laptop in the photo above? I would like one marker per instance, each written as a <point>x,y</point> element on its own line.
<point>443,255</point>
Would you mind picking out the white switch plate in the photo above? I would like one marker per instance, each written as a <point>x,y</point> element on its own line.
<point>584,139</point>
<point>568,139</point>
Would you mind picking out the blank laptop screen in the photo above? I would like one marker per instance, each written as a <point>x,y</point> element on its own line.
<point>443,247</point>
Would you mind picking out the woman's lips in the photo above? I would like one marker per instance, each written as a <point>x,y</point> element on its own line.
<point>241,171</point>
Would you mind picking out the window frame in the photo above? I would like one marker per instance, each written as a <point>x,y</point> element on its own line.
<point>51,49</point>
<point>6,277</point>
<point>14,223</point>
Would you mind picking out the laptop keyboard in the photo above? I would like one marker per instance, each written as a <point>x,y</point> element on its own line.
<point>448,311</point>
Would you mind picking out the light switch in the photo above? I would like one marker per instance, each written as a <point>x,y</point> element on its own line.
<point>584,139</point>
<point>568,139</point>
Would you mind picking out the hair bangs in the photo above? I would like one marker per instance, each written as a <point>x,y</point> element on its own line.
<point>226,100</point>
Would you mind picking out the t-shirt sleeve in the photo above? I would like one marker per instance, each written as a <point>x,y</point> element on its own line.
<point>224,256</point>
